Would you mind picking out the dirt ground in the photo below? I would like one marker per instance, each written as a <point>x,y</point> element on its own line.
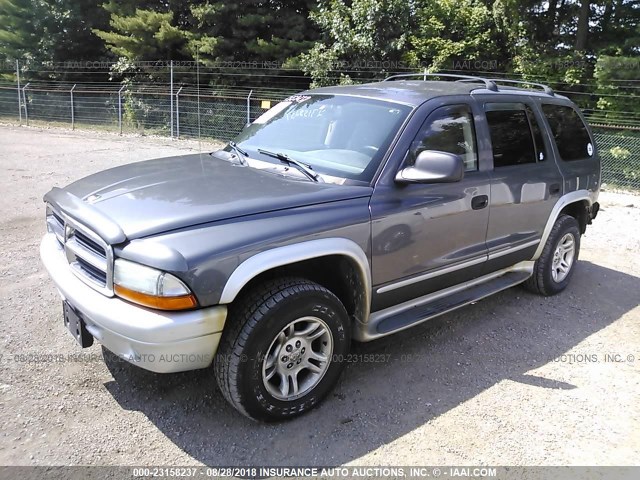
<point>515,379</point>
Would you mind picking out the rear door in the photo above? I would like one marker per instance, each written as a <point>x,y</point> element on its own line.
<point>525,180</point>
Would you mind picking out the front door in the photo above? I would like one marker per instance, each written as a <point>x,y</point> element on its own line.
<point>426,237</point>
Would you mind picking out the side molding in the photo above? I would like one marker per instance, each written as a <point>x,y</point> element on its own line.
<point>565,200</point>
<point>298,252</point>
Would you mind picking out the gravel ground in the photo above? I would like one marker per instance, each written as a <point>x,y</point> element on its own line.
<point>515,379</point>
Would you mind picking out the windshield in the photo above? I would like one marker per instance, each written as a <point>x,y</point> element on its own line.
<point>340,136</point>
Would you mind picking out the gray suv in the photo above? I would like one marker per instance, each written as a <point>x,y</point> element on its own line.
<point>342,213</point>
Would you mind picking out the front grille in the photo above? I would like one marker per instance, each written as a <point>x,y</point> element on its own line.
<point>90,244</point>
<point>95,274</point>
<point>90,257</point>
<point>55,224</point>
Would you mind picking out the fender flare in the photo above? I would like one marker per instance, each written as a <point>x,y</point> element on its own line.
<point>288,254</point>
<point>569,198</point>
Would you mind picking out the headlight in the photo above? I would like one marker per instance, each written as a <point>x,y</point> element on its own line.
<point>150,287</point>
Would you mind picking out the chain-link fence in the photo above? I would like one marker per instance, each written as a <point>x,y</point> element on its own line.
<point>219,114</point>
<point>620,156</point>
<point>186,112</point>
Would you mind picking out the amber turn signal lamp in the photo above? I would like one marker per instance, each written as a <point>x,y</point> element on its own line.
<point>182,302</point>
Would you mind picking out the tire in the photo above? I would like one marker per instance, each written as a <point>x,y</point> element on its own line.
<point>550,275</point>
<point>264,344</point>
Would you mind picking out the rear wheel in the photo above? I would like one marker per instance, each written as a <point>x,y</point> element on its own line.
<point>554,269</point>
<point>283,349</point>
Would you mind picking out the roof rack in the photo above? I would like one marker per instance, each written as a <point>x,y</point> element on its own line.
<point>545,88</point>
<point>489,83</point>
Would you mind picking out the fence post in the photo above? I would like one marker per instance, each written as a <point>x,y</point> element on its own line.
<point>178,112</point>
<point>171,96</point>
<point>19,98</point>
<point>249,107</point>
<point>73,120</point>
<point>24,102</point>
<point>120,109</point>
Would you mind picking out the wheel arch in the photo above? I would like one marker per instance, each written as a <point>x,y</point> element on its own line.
<point>578,210</point>
<point>575,204</point>
<point>338,264</point>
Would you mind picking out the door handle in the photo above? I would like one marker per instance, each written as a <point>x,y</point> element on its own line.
<point>554,188</point>
<point>479,202</point>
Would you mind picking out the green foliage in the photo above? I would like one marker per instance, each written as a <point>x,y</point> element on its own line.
<point>204,43</point>
<point>571,44</point>
<point>36,31</point>
<point>357,33</point>
<point>244,31</point>
<point>449,30</point>
<point>143,34</point>
<point>250,31</point>
<point>23,28</point>
<point>610,76</point>
<point>73,37</point>
<point>620,153</point>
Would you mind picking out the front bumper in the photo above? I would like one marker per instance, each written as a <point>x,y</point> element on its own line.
<point>155,340</point>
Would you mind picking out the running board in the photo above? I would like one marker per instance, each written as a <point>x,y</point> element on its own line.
<point>408,314</point>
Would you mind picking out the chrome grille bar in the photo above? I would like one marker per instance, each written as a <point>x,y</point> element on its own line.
<point>90,257</point>
<point>55,224</point>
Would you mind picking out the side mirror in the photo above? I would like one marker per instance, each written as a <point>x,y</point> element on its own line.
<point>433,166</point>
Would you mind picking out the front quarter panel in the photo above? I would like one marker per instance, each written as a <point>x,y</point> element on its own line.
<point>209,254</point>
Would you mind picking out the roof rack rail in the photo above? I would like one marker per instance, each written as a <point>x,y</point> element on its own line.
<point>488,83</point>
<point>545,88</point>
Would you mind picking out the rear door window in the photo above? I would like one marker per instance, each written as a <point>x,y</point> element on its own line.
<point>569,132</point>
<point>511,136</point>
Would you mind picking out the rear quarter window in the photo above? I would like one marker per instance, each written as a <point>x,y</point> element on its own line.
<point>569,132</point>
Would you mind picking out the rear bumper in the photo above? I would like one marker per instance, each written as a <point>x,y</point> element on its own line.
<point>155,340</point>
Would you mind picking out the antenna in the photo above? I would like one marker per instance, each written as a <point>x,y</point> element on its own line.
<point>198,94</point>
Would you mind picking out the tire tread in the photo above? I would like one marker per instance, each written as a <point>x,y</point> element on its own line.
<point>536,283</point>
<point>242,319</point>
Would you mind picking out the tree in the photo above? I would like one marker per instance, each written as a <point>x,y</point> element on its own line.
<point>582,30</point>
<point>244,31</point>
<point>73,37</point>
<point>143,34</point>
<point>359,34</point>
<point>453,30</point>
<point>250,31</point>
<point>24,28</point>
<point>617,102</point>
<point>38,31</point>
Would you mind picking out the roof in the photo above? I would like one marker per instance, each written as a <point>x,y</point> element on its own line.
<point>411,92</point>
<point>416,92</point>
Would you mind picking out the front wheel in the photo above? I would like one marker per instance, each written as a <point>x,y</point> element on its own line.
<point>554,269</point>
<point>283,349</point>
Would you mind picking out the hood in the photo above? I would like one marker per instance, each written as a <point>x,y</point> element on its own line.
<point>156,196</point>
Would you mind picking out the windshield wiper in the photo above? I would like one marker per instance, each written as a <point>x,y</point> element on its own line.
<point>284,158</point>
<point>240,153</point>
